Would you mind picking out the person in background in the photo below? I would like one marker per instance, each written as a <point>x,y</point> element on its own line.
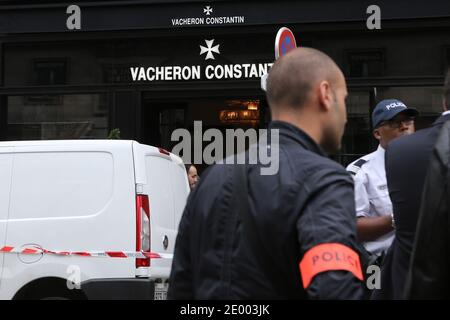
<point>390,119</point>
<point>407,162</point>
<point>428,277</point>
<point>193,177</point>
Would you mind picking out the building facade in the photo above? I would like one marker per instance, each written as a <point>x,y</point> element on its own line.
<point>149,67</point>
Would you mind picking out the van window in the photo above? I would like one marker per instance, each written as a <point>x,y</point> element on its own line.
<point>160,191</point>
<point>60,184</point>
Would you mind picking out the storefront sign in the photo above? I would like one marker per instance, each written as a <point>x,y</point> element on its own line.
<point>207,19</point>
<point>144,15</point>
<point>199,72</point>
<point>210,72</point>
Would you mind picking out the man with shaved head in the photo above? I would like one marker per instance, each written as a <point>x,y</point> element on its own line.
<point>290,235</point>
<point>308,89</point>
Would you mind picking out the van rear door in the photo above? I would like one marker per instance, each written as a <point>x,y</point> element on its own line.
<point>161,202</point>
<point>180,187</point>
<point>162,177</point>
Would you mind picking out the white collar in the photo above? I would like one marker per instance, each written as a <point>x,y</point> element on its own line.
<point>379,153</point>
<point>380,149</point>
<point>446,113</point>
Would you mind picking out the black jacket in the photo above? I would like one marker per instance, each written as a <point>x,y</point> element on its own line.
<point>406,164</point>
<point>429,276</point>
<point>308,202</point>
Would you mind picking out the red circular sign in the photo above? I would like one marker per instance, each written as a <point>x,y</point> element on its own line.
<point>284,42</point>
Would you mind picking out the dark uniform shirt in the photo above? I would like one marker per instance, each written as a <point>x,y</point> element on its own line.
<point>407,160</point>
<point>305,216</point>
<point>428,277</point>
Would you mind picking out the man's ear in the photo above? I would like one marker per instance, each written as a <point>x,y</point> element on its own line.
<point>377,134</point>
<point>325,95</point>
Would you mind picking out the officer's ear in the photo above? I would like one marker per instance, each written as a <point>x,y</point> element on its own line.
<point>377,134</point>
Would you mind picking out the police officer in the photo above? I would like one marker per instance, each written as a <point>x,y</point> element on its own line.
<point>289,235</point>
<point>390,119</point>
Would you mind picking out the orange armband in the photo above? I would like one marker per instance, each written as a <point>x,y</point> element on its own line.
<point>329,257</point>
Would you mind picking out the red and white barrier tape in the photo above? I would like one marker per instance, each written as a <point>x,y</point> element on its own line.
<point>103,254</point>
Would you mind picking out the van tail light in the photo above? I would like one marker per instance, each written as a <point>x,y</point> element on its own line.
<point>164,151</point>
<point>142,229</point>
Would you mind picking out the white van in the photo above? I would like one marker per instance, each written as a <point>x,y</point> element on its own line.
<point>88,197</point>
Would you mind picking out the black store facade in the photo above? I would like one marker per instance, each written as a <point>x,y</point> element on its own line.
<point>149,67</point>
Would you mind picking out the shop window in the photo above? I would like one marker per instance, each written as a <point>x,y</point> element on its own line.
<point>49,72</point>
<point>170,119</point>
<point>366,63</point>
<point>77,116</point>
<point>447,59</point>
<point>117,73</point>
<point>357,138</point>
<point>241,112</point>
